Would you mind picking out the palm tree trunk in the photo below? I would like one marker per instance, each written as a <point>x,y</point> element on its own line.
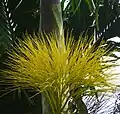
<point>50,21</point>
<point>50,16</point>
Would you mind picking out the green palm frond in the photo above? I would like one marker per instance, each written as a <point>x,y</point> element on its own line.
<point>7,27</point>
<point>57,68</point>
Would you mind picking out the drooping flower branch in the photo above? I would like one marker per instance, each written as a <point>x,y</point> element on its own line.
<point>60,69</point>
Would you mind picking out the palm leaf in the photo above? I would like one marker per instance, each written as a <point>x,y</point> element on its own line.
<point>7,27</point>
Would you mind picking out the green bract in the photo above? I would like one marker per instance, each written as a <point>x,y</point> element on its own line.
<point>60,69</point>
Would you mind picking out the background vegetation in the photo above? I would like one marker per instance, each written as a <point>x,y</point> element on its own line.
<point>92,17</point>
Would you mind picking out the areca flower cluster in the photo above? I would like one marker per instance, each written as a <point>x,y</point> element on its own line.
<point>59,68</point>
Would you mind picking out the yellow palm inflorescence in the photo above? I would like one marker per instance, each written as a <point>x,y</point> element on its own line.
<point>57,67</point>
